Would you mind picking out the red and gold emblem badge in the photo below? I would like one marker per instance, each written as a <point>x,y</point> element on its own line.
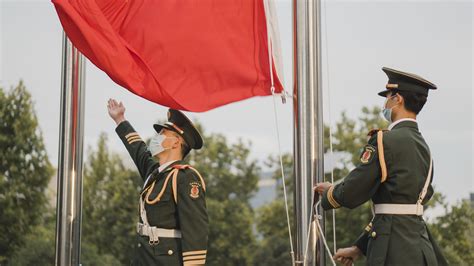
<point>367,154</point>
<point>194,193</point>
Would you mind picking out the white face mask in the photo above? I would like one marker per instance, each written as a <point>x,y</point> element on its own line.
<point>156,144</point>
<point>387,112</point>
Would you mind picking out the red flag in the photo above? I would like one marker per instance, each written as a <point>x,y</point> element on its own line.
<point>184,54</point>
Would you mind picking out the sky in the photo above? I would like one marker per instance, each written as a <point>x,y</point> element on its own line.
<point>433,39</point>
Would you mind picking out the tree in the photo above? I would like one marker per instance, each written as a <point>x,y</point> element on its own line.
<point>349,138</point>
<point>25,170</point>
<point>454,233</point>
<point>271,223</point>
<point>38,247</point>
<point>231,180</point>
<point>230,174</point>
<point>110,209</point>
<point>274,247</point>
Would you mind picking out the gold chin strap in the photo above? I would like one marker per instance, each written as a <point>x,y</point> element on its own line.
<point>383,166</point>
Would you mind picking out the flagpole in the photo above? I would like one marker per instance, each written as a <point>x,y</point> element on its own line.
<point>71,136</point>
<point>308,127</point>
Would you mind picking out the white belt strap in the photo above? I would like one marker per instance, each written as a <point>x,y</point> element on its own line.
<point>407,209</point>
<point>143,211</point>
<point>154,233</point>
<point>400,209</point>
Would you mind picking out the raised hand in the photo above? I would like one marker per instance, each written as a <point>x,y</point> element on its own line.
<point>116,110</point>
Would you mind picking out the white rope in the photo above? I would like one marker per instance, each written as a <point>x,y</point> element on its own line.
<point>321,233</point>
<point>331,152</point>
<point>283,178</point>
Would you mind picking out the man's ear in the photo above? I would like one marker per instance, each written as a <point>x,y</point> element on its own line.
<point>400,99</point>
<point>177,142</point>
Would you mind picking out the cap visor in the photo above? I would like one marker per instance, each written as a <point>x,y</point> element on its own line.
<point>159,127</point>
<point>384,93</point>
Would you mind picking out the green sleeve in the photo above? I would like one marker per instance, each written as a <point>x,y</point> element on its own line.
<point>193,219</point>
<point>359,185</point>
<point>430,191</point>
<point>137,149</point>
<point>362,241</point>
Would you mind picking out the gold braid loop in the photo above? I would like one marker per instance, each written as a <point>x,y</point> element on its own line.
<point>150,189</point>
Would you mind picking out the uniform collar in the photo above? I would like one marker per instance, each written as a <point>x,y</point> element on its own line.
<point>165,165</point>
<point>162,168</point>
<point>394,124</point>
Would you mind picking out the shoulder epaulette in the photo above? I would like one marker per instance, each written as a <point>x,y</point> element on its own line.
<point>181,166</point>
<point>383,165</point>
<point>374,131</point>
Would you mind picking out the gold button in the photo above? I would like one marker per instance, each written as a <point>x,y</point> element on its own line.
<point>170,252</point>
<point>374,234</point>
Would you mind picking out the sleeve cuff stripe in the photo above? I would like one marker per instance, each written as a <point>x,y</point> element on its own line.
<point>195,262</point>
<point>197,257</point>
<point>331,199</point>
<point>196,252</point>
<point>131,135</point>
<point>134,141</point>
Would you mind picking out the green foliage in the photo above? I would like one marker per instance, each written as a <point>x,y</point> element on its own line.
<point>25,170</point>
<point>274,247</point>
<point>454,233</point>
<point>231,239</point>
<point>238,236</point>
<point>229,173</point>
<point>110,209</point>
<point>349,137</point>
<point>231,180</point>
<point>38,248</point>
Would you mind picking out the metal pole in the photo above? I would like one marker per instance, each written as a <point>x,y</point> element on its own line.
<point>308,126</point>
<point>71,129</point>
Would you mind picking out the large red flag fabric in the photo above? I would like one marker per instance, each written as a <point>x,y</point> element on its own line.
<point>185,54</point>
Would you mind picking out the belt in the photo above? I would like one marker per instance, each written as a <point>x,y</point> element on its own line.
<point>399,209</point>
<point>154,233</point>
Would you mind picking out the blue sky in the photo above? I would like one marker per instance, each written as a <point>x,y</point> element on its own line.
<point>431,38</point>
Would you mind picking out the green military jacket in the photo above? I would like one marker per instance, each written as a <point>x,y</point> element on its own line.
<point>393,169</point>
<point>181,206</point>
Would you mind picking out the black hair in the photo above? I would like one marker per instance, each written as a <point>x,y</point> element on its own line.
<point>184,146</point>
<point>413,101</point>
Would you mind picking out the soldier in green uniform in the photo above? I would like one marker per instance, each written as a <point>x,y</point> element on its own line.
<point>173,227</point>
<point>395,172</point>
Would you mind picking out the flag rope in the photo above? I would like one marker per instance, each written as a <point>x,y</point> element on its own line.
<point>272,88</point>
<point>317,217</point>
<point>331,151</point>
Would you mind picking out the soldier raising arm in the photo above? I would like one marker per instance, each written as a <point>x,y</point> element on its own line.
<point>173,227</point>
